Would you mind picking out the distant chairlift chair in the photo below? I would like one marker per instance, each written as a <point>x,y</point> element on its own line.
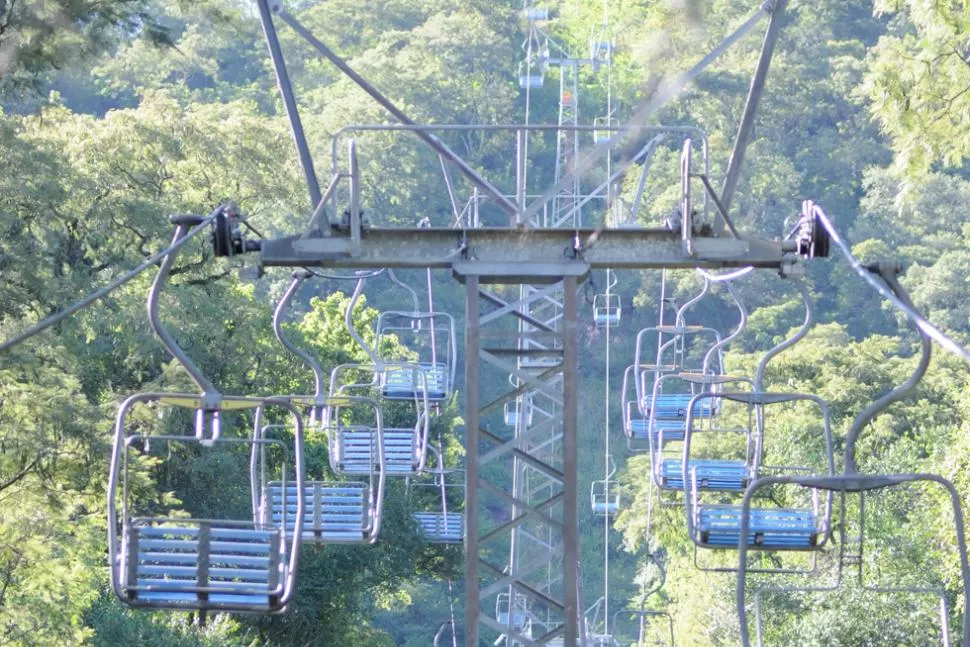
<point>603,129</point>
<point>514,616</point>
<point>605,494</point>
<point>431,335</point>
<point>335,511</point>
<point>531,76</point>
<point>606,310</point>
<point>712,474</point>
<point>519,409</point>
<point>351,444</point>
<point>446,523</point>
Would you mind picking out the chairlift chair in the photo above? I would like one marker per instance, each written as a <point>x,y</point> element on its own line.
<point>539,359</point>
<point>431,335</point>
<point>606,309</point>
<point>531,75</point>
<point>442,526</point>
<point>519,409</point>
<point>605,497</point>
<point>852,481</point>
<point>335,511</point>
<point>605,494</point>
<point>445,524</point>
<point>602,129</point>
<point>351,443</point>
<point>190,563</point>
<point>514,616</point>
<point>663,415</point>
<point>769,527</point>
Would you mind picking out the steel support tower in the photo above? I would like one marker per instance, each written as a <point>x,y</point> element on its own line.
<point>541,604</point>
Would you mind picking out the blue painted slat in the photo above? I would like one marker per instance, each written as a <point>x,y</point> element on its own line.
<point>718,475</point>
<point>779,528</point>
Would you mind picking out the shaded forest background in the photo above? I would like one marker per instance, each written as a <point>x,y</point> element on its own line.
<point>117,114</point>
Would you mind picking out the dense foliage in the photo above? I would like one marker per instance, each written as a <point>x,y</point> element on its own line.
<point>118,114</point>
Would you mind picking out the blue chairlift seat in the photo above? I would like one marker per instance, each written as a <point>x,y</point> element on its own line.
<point>334,512</point>
<point>521,619</point>
<point>532,75</point>
<point>719,475</point>
<point>605,497</point>
<point>355,455</point>
<point>534,14</point>
<point>515,408</point>
<point>606,506</point>
<point>673,430</point>
<point>607,309</point>
<point>606,315</point>
<point>719,526</point>
<point>442,527</point>
<point>409,382</point>
<point>674,406</point>
<point>202,564</point>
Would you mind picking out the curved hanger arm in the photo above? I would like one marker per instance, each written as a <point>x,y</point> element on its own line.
<point>611,280</point>
<point>679,320</point>
<point>661,580</point>
<point>903,390</point>
<point>210,394</point>
<point>612,467</point>
<point>310,360</point>
<point>349,321</point>
<point>791,341</point>
<point>715,350</point>
<point>399,282</point>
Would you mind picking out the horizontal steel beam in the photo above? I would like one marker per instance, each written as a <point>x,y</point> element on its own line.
<point>503,253</point>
